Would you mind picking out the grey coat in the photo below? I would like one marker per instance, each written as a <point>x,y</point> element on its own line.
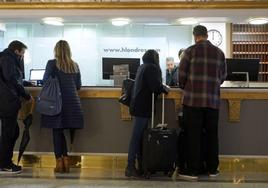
<point>71,115</point>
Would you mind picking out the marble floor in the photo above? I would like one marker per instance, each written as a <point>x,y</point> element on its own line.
<point>102,178</point>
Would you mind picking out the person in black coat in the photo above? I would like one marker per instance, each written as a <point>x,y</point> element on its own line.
<point>148,80</point>
<point>11,92</point>
<point>71,116</point>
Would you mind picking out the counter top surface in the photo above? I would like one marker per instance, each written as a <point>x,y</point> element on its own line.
<point>243,85</point>
<point>117,89</point>
<point>234,96</point>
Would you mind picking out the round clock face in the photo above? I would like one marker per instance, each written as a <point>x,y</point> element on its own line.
<point>215,37</point>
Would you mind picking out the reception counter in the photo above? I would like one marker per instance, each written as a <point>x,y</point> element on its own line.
<point>242,123</point>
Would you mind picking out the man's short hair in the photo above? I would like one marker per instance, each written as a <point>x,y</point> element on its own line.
<point>16,45</point>
<point>169,59</point>
<point>200,30</point>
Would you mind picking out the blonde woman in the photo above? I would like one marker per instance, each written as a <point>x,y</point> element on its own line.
<point>71,116</point>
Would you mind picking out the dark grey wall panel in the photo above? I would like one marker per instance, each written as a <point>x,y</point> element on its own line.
<point>250,135</point>
<point>104,132</point>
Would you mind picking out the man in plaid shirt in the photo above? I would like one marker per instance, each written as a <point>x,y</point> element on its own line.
<point>201,72</point>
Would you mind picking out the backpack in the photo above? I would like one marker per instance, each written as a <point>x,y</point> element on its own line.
<point>49,102</point>
<point>127,88</point>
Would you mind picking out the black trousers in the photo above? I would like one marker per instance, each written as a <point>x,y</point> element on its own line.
<point>196,120</point>
<point>59,141</point>
<point>9,134</point>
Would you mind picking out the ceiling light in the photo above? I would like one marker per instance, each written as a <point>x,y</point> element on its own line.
<point>53,21</point>
<point>258,21</point>
<point>120,21</point>
<point>187,21</point>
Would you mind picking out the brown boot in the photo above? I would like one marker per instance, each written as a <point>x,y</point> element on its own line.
<point>66,164</point>
<point>59,165</point>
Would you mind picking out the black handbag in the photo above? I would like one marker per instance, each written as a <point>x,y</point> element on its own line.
<point>9,100</point>
<point>127,88</point>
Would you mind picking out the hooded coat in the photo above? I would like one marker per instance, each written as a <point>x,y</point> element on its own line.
<point>148,80</point>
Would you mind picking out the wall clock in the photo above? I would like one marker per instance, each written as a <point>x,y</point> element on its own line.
<point>215,37</point>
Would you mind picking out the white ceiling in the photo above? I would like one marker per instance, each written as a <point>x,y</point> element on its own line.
<point>137,16</point>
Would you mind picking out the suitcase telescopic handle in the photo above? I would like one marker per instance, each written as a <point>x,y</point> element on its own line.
<point>163,109</point>
<point>162,125</point>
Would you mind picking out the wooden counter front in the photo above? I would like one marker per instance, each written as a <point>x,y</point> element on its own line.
<point>234,96</point>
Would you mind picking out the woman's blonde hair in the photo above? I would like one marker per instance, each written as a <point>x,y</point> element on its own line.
<point>63,56</point>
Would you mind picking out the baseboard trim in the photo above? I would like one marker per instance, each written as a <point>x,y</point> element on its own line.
<point>228,163</point>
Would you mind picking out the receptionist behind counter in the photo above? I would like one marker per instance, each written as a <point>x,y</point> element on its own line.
<point>171,72</point>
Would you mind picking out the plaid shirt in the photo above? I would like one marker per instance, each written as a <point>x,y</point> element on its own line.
<point>201,72</point>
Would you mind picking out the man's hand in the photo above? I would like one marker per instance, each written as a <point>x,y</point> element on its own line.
<point>29,98</point>
<point>166,88</point>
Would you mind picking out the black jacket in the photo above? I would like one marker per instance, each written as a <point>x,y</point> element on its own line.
<point>148,80</point>
<point>12,74</point>
<point>172,77</point>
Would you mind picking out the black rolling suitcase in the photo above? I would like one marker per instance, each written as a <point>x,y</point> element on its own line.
<point>159,147</point>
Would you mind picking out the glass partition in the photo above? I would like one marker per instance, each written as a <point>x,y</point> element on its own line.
<point>91,42</point>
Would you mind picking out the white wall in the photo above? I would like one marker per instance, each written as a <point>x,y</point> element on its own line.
<point>221,27</point>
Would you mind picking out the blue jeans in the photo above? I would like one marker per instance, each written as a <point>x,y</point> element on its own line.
<point>134,152</point>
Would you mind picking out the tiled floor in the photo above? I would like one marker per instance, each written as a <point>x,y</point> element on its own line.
<point>101,178</point>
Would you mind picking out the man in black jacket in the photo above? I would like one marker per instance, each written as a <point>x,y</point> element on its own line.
<point>10,95</point>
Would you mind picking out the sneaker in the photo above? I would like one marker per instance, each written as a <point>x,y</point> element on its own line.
<point>214,173</point>
<point>131,172</point>
<point>11,169</point>
<point>188,175</point>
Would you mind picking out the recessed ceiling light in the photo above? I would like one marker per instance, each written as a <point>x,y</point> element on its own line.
<point>120,21</point>
<point>187,21</point>
<point>258,21</point>
<point>57,21</point>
